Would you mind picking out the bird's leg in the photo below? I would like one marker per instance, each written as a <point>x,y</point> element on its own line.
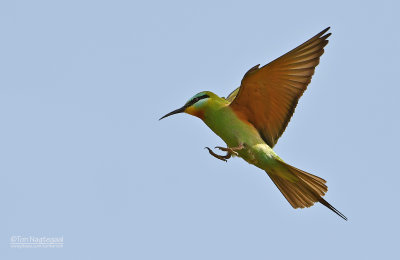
<point>221,157</point>
<point>231,150</point>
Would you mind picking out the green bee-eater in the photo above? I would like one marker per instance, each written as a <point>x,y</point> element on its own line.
<point>253,117</point>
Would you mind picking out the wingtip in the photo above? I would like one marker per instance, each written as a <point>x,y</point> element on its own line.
<point>326,29</point>
<point>321,33</point>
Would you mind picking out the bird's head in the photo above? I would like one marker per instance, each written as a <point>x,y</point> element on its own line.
<point>196,105</point>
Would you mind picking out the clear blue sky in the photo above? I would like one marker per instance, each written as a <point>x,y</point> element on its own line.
<point>83,155</point>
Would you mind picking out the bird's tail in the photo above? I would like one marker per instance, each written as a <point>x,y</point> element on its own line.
<point>300,188</point>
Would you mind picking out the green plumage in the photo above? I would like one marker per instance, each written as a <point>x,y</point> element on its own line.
<point>253,117</point>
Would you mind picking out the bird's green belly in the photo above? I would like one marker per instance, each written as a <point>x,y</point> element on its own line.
<point>234,132</point>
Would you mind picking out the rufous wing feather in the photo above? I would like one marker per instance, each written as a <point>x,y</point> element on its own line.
<point>268,95</point>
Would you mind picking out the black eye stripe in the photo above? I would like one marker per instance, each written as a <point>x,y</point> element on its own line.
<point>194,100</point>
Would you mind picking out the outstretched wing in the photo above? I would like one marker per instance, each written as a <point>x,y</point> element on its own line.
<point>268,95</point>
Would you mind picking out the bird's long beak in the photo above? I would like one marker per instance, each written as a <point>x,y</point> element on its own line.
<point>177,111</point>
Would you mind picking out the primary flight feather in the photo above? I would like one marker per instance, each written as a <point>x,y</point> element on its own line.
<point>253,117</point>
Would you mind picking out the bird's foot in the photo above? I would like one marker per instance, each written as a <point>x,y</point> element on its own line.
<point>221,157</point>
<point>231,150</point>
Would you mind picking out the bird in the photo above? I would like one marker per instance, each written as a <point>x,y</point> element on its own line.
<point>252,118</point>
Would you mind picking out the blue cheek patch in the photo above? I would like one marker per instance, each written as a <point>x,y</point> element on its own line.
<point>200,103</point>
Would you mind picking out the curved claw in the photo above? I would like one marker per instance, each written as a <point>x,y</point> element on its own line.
<point>221,157</point>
